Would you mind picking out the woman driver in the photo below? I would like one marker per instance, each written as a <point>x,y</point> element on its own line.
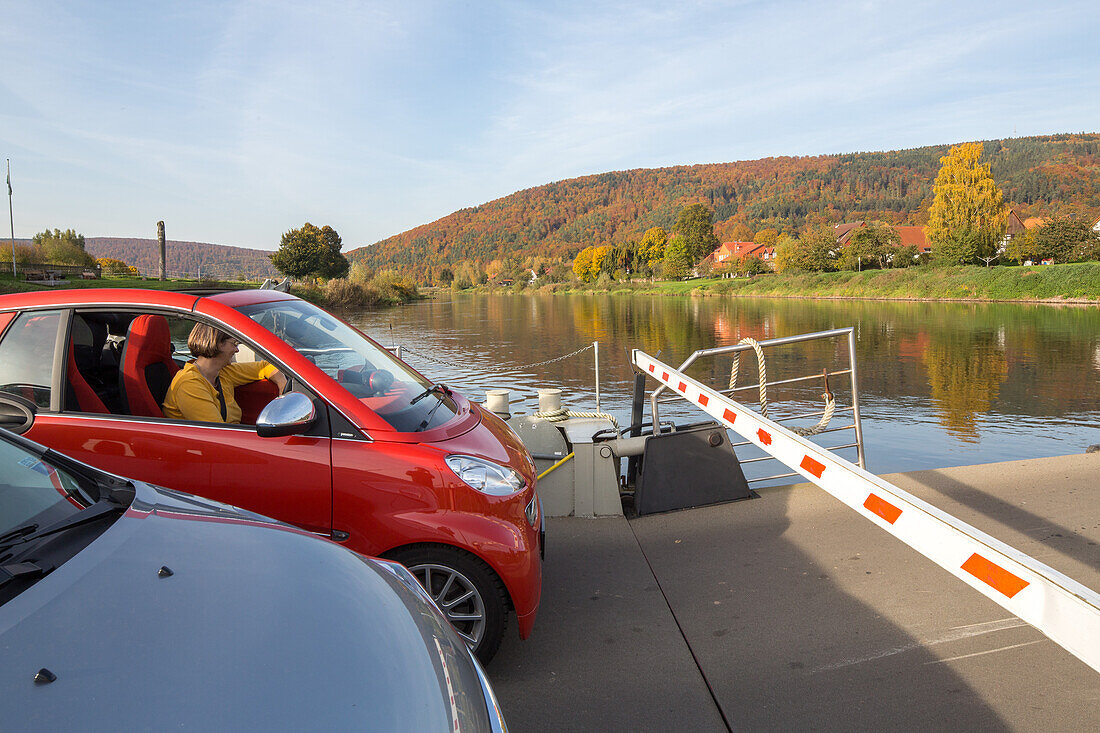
<point>203,389</point>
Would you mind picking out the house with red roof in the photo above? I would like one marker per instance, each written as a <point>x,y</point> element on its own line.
<point>914,236</point>
<point>729,253</point>
<point>845,231</point>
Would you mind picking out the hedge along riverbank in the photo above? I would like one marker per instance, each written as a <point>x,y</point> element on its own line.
<point>1078,282</point>
<point>380,292</point>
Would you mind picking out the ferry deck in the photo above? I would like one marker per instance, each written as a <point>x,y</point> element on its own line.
<point>789,611</point>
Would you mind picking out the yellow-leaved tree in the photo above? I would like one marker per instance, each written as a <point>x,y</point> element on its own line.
<point>582,264</point>
<point>968,214</point>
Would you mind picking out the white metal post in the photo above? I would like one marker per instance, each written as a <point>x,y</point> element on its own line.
<point>596,348</point>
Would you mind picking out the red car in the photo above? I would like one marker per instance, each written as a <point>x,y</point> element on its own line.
<point>361,449</point>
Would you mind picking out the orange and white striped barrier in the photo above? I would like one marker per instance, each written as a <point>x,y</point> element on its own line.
<point>1060,607</point>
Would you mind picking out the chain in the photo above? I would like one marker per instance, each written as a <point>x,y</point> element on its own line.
<point>414,352</point>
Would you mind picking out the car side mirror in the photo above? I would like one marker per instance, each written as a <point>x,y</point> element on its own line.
<point>16,413</point>
<point>291,414</point>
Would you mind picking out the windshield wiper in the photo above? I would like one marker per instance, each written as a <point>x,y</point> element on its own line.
<point>428,418</point>
<point>94,513</point>
<point>437,387</point>
<point>18,532</point>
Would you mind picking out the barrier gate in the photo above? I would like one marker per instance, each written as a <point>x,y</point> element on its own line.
<point>1063,609</point>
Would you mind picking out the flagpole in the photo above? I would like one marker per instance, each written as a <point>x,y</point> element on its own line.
<point>11,218</point>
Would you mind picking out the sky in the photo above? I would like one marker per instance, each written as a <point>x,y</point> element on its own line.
<point>234,122</point>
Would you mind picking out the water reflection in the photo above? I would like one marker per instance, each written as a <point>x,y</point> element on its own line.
<point>941,383</point>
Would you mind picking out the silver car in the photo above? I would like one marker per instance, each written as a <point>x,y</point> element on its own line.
<point>124,606</point>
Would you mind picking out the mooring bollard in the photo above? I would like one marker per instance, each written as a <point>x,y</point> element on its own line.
<point>497,402</point>
<point>549,399</point>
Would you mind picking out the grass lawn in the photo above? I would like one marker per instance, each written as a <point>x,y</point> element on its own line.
<point>9,285</point>
<point>1077,282</point>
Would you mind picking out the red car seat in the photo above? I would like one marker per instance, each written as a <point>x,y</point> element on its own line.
<point>79,395</point>
<point>147,366</point>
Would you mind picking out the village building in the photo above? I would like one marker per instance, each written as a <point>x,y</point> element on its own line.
<point>914,236</point>
<point>845,231</point>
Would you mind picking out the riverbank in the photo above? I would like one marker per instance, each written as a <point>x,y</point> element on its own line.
<point>333,294</point>
<point>1070,283</point>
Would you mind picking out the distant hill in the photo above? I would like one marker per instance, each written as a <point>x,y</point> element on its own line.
<point>185,259</point>
<point>1040,176</point>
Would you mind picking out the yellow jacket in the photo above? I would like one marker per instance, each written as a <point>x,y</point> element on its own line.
<point>192,397</point>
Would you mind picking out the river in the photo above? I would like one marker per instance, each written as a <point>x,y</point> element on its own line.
<point>941,384</point>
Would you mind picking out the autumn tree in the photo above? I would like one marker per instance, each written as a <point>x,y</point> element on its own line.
<point>601,261</point>
<point>652,246</point>
<point>311,252</point>
<point>766,237</point>
<point>968,211</point>
<point>582,264</point>
<point>696,225</point>
<point>741,233</point>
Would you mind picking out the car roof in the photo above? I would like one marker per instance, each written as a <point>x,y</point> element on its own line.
<point>136,296</point>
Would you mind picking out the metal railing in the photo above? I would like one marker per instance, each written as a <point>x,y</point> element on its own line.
<point>851,371</point>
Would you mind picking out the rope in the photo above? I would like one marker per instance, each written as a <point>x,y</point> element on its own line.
<point>563,414</point>
<point>830,402</point>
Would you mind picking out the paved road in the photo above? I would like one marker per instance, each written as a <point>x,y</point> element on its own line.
<point>789,611</point>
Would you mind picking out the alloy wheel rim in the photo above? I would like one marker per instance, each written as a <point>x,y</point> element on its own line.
<point>456,596</point>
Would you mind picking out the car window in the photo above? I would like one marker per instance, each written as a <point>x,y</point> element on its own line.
<point>26,356</point>
<point>32,491</point>
<point>110,371</point>
<point>382,382</point>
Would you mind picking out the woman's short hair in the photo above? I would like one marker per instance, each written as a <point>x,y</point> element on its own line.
<point>204,340</point>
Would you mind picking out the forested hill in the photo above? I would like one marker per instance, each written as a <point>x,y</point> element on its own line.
<point>185,258</point>
<point>1040,176</point>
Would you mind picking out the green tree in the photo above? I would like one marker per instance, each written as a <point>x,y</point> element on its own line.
<point>813,251</point>
<point>311,252</point>
<point>967,206</point>
<point>696,225</point>
<point>906,255</point>
<point>871,246</point>
<point>677,259</point>
<point>61,248</point>
<point>752,265</point>
<point>1066,240</point>
<point>962,246</point>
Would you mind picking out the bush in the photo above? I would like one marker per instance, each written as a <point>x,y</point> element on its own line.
<point>341,293</point>
<point>394,288</point>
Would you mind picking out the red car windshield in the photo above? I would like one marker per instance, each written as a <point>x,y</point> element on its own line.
<point>395,392</point>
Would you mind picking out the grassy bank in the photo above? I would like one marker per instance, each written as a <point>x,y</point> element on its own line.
<point>333,294</point>
<point>8,285</point>
<point>1061,283</point>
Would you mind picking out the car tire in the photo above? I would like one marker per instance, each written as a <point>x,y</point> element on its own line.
<point>467,590</point>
